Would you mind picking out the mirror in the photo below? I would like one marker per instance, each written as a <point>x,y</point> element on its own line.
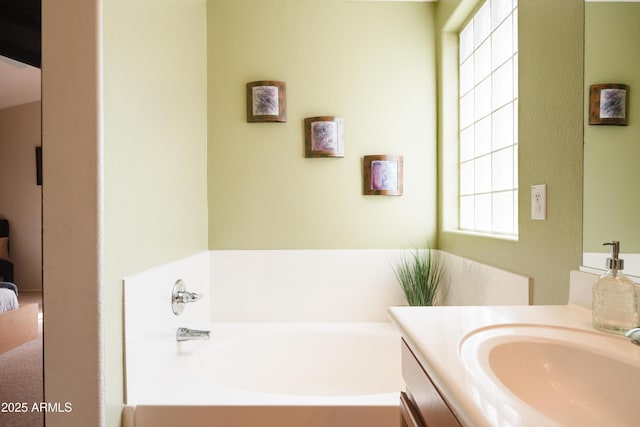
<point>612,153</point>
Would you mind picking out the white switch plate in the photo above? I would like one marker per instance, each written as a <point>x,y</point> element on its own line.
<point>539,202</point>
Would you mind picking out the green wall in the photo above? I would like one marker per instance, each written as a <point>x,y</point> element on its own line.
<point>550,145</point>
<point>154,96</point>
<point>611,153</point>
<point>263,193</point>
<point>373,63</point>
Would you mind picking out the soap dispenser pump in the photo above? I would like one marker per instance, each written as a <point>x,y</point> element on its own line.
<point>615,306</point>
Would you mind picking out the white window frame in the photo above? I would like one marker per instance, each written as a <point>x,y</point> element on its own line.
<point>487,143</point>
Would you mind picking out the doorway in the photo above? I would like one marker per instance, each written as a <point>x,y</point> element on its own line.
<point>21,367</point>
<point>21,372</point>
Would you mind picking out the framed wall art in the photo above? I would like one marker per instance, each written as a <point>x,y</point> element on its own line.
<point>324,136</point>
<point>382,175</point>
<point>609,104</point>
<point>266,101</point>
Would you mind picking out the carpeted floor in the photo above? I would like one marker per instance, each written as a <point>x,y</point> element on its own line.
<point>21,384</point>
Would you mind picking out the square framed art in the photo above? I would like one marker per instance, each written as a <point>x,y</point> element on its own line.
<point>266,101</point>
<point>609,104</point>
<point>382,175</point>
<point>324,136</point>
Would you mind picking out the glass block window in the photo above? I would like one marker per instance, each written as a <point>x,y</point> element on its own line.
<point>488,106</point>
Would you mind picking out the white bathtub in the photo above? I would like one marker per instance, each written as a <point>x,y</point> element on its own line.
<point>267,374</point>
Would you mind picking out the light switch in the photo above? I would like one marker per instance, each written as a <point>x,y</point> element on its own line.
<point>539,202</point>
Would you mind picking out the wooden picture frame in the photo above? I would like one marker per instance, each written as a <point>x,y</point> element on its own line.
<point>324,136</point>
<point>382,175</point>
<point>609,104</point>
<point>266,101</point>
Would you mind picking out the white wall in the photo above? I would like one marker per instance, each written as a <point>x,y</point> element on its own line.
<point>72,255</point>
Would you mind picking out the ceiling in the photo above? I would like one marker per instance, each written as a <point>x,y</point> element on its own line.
<point>20,44</point>
<point>20,30</point>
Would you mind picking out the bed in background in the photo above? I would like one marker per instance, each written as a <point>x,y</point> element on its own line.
<point>18,323</point>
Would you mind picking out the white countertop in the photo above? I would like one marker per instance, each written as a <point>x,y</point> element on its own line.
<point>435,335</point>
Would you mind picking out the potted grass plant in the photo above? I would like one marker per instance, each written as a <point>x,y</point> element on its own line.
<point>420,275</point>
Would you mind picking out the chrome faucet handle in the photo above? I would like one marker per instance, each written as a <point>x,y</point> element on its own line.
<point>180,296</point>
<point>186,296</point>
<point>634,335</point>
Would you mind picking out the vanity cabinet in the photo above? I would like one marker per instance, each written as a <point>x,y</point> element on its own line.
<point>422,405</point>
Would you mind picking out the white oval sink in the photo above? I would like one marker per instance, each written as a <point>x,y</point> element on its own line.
<point>570,377</point>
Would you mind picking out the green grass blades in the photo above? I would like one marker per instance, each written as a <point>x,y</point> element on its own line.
<point>419,276</point>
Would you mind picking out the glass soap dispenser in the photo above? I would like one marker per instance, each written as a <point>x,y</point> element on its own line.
<point>615,305</point>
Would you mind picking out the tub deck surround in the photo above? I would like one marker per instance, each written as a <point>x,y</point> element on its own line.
<point>581,288</point>
<point>303,285</point>
<point>340,285</point>
<point>472,283</point>
<point>262,416</point>
<point>147,297</point>
<point>259,298</point>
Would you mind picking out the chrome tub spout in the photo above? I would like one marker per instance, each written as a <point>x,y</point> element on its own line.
<point>186,334</point>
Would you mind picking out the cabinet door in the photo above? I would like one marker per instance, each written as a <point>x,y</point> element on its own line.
<point>422,393</point>
<point>410,417</point>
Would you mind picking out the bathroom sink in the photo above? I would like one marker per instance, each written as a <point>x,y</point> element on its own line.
<point>556,375</point>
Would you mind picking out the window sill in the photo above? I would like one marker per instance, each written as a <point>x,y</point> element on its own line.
<point>506,237</point>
